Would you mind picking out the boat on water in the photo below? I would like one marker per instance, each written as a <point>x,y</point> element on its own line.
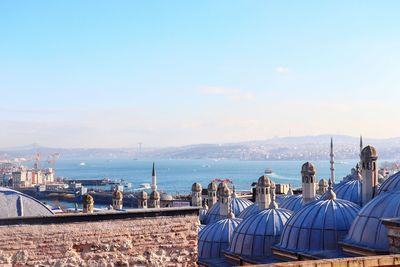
<point>144,186</point>
<point>268,171</point>
<point>82,164</point>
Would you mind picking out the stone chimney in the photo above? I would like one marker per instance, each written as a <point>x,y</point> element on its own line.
<point>308,182</point>
<point>117,199</point>
<point>212,194</point>
<point>225,196</point>
<point>196,195</point>
<point>369,173</point>
<point>263,185</point>
<point>142,200</point>
<point>88,204</point>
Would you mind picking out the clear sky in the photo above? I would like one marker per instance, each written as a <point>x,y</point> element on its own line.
<point>115,73</point>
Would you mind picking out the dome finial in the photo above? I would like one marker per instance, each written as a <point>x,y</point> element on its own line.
<point>330,195</point>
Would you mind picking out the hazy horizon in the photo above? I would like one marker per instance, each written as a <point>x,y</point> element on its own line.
<point>170,73</point>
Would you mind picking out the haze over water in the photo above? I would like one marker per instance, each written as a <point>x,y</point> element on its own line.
<point>177,176</point>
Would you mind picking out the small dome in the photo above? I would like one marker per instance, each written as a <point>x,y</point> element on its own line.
<point>323,183</point>
<point>154,195</point>
<point>308,168</point>
<point>264,181</point>
<point>318,226</point>
<point>295,202</point>
<point>350,190</point>
<point>15,204</point>
<point>237,205</point>
<point>250,210</point>
<point>196,187</point>
<point>367,230</point>
<point>214,239</point>
<point>255,235</point>
<point>369,152</point>
<point>391,184</point>
<point>142,195</point>
<point>212,186</point>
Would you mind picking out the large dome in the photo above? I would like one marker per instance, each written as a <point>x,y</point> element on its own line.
<point>350,190</point>
<point>238,205</point>
<point>255,235</point>
<point>390,184</point>
<point>367,230</point>
<point>15,204</point>
<point>318,226</point>
<point>214,238</point>
<point>250,210</point>
<point>295,202</point>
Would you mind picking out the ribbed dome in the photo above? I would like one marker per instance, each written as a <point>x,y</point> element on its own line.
<point>367,229</point>
<point>390,184</point>
<point>295,202</point>
<point>250,210</point>
<point>318,226</point>
<point>350,190</point>
<point>238,205</point>
<point>214,239</point>
<point>255,235</point>
<point>15,204</point>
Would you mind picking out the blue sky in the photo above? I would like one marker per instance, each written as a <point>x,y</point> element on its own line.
<point>107,74</point>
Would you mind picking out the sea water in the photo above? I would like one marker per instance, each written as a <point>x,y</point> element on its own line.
<point>176,176</point>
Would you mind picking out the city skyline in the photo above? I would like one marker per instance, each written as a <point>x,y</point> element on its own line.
<point>168,74</point>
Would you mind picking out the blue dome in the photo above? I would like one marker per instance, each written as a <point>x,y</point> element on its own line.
<point>367,230</point>
<point>15,204</point>
<point>295,202</point>
<point>238,205</point>
<point>350,190</point>
<point>390,184</point>
<point>318,226</point>
<point>280,198</point>
<point>255,235</point>
<point>250,210</point>
<point>214,239</point>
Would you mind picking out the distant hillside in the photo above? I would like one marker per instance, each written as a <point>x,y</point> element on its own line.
<point>283,148</point>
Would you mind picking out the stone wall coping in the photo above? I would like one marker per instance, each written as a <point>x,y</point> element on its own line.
<point>391,221</point>
<point>103,216</point>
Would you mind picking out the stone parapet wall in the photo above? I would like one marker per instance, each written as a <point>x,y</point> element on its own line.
<point>133,241</point>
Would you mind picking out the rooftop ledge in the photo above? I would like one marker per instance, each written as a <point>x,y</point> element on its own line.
<point>103,216</point>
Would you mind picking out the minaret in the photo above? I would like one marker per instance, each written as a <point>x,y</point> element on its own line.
<point>308,182</point>
<point>225,208</point>
<point>361,148</point>
<point>273,204</point>
<point>332,162</point>
<point>369,173</point>
<point>264,198</point>
<point>154,178</point>
<point>212,194</point>
<point>196,195</point>
<point>142,200</point>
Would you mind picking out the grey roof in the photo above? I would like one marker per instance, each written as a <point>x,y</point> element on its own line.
<point>255,235</point>
<point>350,190</point>
<point>295,202</point>
<point>390,184</point>
<point>15,204</point>
<point>238,205</point>
<point>367,230</point>
<point>318,226</point>
<point>214,238</point>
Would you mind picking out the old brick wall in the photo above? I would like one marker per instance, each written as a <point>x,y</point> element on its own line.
<point>157,241</point>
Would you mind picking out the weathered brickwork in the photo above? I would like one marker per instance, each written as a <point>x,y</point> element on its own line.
<point>158,241</point>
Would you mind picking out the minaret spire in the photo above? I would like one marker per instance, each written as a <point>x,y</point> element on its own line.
<point>332,161</point>
<point>154,178</point>
<point>361,148</point>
